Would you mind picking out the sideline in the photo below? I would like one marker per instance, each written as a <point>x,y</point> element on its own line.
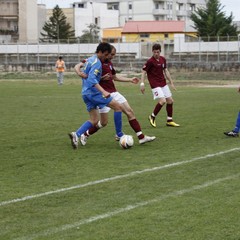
<point>126,209</point>
<point>22,199</point>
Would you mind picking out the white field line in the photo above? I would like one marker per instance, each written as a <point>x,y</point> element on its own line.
<point>126,209</point>
<point>115,177</point>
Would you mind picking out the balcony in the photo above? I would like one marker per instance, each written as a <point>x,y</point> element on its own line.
<point>161,12</point>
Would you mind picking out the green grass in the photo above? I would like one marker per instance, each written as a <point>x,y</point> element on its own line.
<point>166,203</point>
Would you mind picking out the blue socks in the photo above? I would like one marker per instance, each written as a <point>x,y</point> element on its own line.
<point>84,128</point>
<point>118,123</point>
<point>237,128</point>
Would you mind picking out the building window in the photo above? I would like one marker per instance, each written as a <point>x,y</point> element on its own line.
<point>113,6</point>
<point>169,6</point>
<point>130,6</point>
<point>96,21</point>
<point>144,35</point>
<point>192,7</point>
<point>80,5</point>
<point>180,6</point>
<point>156,6</point>
<point>165,35</point>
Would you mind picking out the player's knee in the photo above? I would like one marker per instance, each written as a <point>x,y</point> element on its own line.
<point>130,113</point>
<point>102,124</point>
<point>162,101</point>
<point>170,101</point>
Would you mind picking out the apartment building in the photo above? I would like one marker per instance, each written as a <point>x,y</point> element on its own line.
<point>18,21</point>
<point>142,10</point>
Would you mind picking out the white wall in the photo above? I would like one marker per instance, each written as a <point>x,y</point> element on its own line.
<point>66,48</point>
<point>199,46</point>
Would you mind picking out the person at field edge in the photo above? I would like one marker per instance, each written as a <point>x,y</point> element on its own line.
<point>157,73</point>
<point>60,68</point>
<point>235,131</point>
<point>107,83</point>
<point>94,96</point>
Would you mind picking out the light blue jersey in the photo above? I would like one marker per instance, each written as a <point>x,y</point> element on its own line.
<point>93,68</point>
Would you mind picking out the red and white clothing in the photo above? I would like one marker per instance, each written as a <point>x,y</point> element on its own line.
<point>155,73</point>
<point>108,85</point>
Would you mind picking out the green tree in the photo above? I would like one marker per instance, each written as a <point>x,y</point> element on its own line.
<point>56,28</point>
<point>91,34</point>
<point>212,21</point>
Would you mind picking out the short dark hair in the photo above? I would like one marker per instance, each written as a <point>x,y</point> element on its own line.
<point>104,47</point>
<point>156,46</point>
<point>60,57</point>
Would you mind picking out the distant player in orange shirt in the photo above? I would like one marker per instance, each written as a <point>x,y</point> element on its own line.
<point>60,68</point>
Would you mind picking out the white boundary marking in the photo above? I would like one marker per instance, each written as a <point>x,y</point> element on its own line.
<point>115,178</point>
<point>126,209</point>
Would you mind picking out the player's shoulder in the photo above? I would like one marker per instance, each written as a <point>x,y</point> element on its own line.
<point>93,60</point>
<point>163,58</point>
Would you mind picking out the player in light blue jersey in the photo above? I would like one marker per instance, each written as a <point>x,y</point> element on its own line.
<point>94,96</point>
<point>236,130</point>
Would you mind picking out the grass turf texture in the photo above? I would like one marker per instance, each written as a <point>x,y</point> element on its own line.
<point>36,157</point>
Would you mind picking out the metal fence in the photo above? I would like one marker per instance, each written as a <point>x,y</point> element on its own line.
<point>181,50</point>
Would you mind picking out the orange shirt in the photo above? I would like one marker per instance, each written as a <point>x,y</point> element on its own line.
<point>60,66</point>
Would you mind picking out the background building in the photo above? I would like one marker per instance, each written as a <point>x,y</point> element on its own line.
<point>18,21</point>
<point>142,10</point>
<point>87,12</point>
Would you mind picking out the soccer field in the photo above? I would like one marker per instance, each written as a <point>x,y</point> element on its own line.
<point>184,185</point>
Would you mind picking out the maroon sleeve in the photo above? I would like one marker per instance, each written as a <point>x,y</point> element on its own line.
<point>147,65</point>
<point>113,71</point>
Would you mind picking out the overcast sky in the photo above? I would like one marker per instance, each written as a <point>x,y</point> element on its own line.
<point>230,6</point>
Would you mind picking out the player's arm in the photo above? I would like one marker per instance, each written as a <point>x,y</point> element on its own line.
<point>78,70</point>
<point>239,89</point>
<point>142,85</point>
<point>100,89</point>
<point>134,80</point>
<point>169,78</point>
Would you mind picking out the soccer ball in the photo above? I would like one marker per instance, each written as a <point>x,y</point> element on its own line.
<point>126,141</point>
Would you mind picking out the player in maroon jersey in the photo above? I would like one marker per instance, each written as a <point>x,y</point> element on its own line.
<point>157,72</point>
<point>107,83</point>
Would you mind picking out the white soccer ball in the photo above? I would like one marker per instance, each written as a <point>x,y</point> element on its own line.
<point>126,141</point>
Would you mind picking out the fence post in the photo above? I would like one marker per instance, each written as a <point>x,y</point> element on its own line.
<point>238,47</point>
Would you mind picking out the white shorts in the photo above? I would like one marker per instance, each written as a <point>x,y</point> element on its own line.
<point>117,97</point>
<point>161,92</point>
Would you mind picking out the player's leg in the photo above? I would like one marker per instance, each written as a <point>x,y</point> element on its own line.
<point>135,125</point>
<point>61,78</point>
<point>100,124</point>
<point>157,95</point>
<point>169,107</point>
<point>58,77</point>
<point>74,136</point>
<point>235,131</point>
<point>117,117</point>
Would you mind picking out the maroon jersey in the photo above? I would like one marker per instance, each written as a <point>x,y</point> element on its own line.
<point>108,85</point>
<point>154,69</point>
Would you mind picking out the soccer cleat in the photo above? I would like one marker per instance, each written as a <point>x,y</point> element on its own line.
<point>83,139</point>
<point>117,138</point>
<point>146,139</point>
<point>152,121</point>
<point>231,134</point>
<point>74,139</point>
<point>172,124</point>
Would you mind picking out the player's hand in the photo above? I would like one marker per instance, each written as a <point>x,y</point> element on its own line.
<point>106,77</point>
<point>239,89</point>
<point>135,80</point>
<point>106,94</point>
<point>82,75</point>
<point>142,87</point>
<point>173,87</point>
